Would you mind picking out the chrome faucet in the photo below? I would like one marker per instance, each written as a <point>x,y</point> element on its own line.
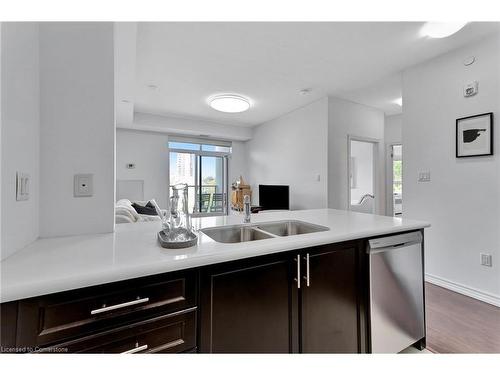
<point>246,203</point>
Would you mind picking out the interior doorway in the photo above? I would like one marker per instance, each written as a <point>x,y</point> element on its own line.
<point>395,179</point>
<point>362,169</point>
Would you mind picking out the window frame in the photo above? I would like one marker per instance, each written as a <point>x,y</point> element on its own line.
<point>198,173</point>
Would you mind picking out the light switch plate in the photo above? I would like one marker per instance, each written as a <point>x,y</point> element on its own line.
<point>23,182</point>
<point>424,176</point>
<point>486,260</point>
<point>83,185</point>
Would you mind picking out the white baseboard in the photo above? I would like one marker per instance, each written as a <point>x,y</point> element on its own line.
<point>465,290</point>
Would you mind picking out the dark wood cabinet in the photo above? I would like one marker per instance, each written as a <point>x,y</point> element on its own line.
<point>159,310</point>
<point>8,326</point>
<point>254,305</point>
<point>248,306</point>
<point>329,301</point>
<point>171,333</point>
<point>257,306</point>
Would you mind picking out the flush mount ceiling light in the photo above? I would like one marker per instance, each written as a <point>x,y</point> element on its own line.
<point>229,103</point>
<point>441,29</point>
<point>398,101</point>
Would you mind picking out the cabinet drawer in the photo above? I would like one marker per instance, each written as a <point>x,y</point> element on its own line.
<point>63,316</point>
<point>172,333</point>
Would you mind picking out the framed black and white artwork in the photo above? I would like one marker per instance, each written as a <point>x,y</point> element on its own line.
<point>475,135</point>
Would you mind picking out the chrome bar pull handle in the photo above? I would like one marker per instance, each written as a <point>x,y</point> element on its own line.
<point>308,275</point>
<point>119,306</point>
<point>297,279</point>
<point>136,349</point>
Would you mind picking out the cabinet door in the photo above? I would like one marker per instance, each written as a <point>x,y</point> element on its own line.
<point>329,305</point>
<point>247,307</point>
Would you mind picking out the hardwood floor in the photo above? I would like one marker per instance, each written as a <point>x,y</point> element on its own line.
<point>460,324</point>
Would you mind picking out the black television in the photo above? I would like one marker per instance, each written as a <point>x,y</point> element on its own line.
<point>274,197</point>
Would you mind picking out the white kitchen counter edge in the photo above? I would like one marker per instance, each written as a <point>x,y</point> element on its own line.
<point>65,263</point>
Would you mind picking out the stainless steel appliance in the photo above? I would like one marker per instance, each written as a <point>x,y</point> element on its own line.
<point>396,292</point>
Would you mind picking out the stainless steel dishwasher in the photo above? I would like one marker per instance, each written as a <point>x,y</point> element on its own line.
<point>396,292</point>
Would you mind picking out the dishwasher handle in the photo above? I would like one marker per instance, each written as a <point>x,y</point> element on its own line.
<point>379,245</point>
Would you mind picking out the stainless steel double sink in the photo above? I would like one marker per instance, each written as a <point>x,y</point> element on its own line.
<point>261,231</point>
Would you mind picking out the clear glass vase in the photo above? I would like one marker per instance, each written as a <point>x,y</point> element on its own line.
<point>179,219</point>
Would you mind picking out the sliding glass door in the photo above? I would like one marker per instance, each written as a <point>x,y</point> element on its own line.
<point>213,182</point>
<point>204,169</point>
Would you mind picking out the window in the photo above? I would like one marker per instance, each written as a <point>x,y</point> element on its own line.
<point>202,165</point>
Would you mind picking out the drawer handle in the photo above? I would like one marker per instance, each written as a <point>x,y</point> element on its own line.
<point>119,306</point>
<point>297,279</point>
<point>136,349</point>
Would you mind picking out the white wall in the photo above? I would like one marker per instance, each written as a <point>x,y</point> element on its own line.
<point>238,163</point>
<point>291,150</point>
<point>77,126</point>
<point>20,133</point>
<point>149,153</point>
<point>362,152</point>
<point>393,129</point>
<point>348,118</point>
<point>462,200</point>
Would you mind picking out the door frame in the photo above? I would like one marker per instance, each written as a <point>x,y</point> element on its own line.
<point>376,144</point>
<point>389,177</point>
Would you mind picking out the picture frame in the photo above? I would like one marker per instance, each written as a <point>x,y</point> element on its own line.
<point>474,135</point>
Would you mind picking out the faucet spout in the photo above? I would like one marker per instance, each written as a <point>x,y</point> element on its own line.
<point>246,203</point>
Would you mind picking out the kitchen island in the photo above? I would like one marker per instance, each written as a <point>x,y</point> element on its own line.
<point>122,292</point>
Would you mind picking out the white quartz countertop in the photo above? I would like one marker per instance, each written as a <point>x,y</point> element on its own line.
<point>64,263</point>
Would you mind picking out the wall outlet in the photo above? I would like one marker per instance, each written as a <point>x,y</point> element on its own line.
<point>83,185</point>
<point>130,165</point>
<point>486,260</point>
<point>23,181</point>
<point>424,176</point>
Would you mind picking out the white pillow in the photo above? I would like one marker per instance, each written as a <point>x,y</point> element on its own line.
<point>124,202</point>
<point>125,211</point>
<point>129,209</point>
<point>122,219</point>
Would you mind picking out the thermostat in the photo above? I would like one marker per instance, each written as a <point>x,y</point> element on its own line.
<point>470,89</point>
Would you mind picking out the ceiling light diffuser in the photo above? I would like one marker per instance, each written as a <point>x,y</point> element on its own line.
<point>441,29</point>
<point>229,103</point>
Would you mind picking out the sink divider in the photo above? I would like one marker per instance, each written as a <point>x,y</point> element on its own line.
<point>256,228</point>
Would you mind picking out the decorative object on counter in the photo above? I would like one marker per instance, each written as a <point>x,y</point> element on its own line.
<point>177,231</point>
<point>474,135</point>
<point>179,239</point>
<point>239,189</point>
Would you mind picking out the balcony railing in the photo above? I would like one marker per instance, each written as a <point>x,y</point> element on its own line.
<point>211,200</point>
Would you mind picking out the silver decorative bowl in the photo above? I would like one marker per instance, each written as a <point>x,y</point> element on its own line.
<point>178,239</point>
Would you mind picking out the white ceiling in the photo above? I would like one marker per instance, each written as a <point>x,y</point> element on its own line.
<point>270,63</point>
